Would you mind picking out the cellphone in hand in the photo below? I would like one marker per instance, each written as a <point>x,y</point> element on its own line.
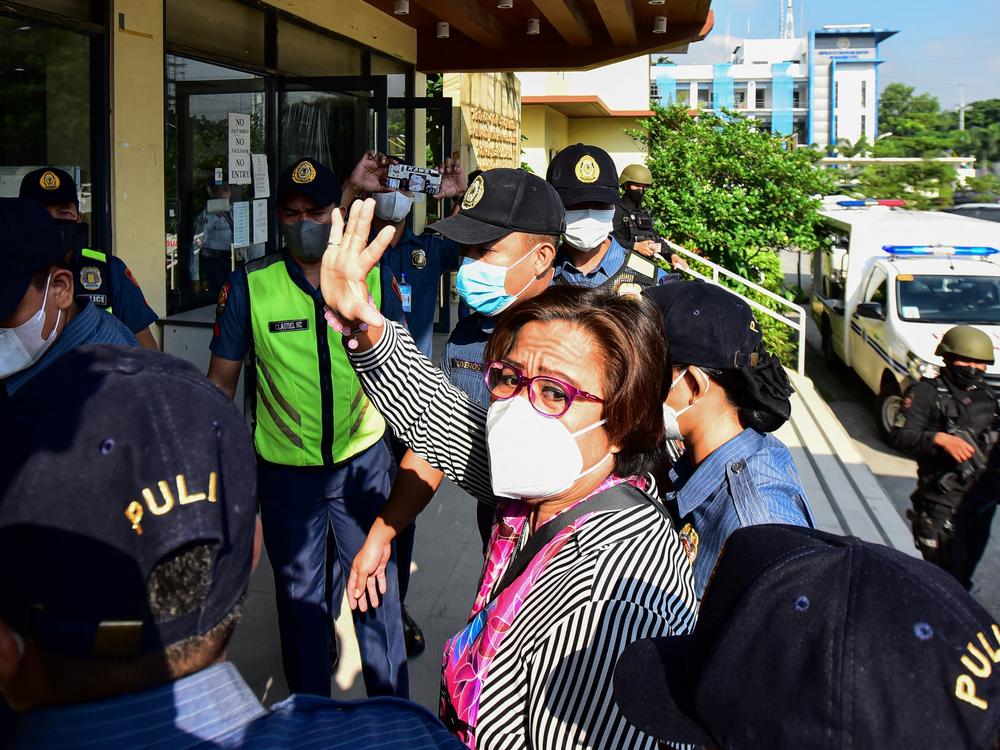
<point>414,179</point>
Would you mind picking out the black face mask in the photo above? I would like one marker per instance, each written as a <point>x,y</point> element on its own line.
<point>637,194</point>
<point>306,240</point>
<point>75,234</point>
<point>966,375</point>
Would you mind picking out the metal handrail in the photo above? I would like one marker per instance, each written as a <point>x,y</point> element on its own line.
<point>797,323</point>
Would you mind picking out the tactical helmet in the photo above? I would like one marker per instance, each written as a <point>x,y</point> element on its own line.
<point>966,342</point>
<point>637,173</point>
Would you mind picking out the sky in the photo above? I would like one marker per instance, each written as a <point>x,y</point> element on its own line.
<point>942,45</point>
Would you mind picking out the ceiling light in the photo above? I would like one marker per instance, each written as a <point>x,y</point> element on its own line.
<point>534,27</point>
<point>402,7</point>
<point>505,3</point>
<point>443,30</point>
<point>660,25</point>
<point>657,2</point>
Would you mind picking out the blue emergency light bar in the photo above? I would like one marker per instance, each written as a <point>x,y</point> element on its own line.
<point>853,204</point>
<point>966,250</point>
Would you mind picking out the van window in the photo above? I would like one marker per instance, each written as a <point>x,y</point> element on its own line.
<point>948,299</point>
<point>876,291</point>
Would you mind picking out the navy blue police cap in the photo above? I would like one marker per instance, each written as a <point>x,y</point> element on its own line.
<point>501,201</point>
<point>706,325</point>
<point>807,639</point>
<point>112,461</point>
<point>49,185</point>
<point>584,174</point>
<point>30,241</point>
<point>311,178</point>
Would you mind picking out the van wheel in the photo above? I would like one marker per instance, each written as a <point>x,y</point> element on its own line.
<point>887,406</point>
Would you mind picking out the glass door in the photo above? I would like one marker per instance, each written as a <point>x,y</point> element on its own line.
<point>332,119</point>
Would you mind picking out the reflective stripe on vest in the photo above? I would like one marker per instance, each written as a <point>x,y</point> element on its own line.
<point>92,278</point>
<point>310,408</point>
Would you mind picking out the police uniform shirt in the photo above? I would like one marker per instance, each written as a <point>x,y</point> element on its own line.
<point>610,264</point>
<point>462,359</point>
<point>91,325</point>
<point>126,299</point>
<point>422,260</point>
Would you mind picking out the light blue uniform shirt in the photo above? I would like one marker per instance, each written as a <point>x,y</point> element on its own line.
<point>748,481</point>
<point>610,264</point>
<point>216,709</point>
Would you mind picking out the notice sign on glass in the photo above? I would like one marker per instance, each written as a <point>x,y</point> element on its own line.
<point>239,149</point>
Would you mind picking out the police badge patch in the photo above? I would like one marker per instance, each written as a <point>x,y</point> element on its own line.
<point>90,278</point>
<point>474,194</point>
<point>418,258</point>
<point>587,170</point>
<point>689,540</point>
<point>49,180</point>
<point>304,173</point>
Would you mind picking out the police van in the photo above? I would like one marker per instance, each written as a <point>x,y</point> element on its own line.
<point>890,284</point>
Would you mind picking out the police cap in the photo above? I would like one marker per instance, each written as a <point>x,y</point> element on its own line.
<point>583,174</point>
<point>966,342</point>
<point>501,201</point>
<point>637,173</point>
<point>112,461</point>
<point>30,242</point>
<point>49,185</point>
<point>315,181</point>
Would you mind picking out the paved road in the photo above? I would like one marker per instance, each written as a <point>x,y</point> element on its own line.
<point>852,402</point>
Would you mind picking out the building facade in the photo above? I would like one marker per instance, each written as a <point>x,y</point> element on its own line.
<point>821,89</point>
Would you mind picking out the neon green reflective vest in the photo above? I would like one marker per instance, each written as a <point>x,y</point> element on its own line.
<point>310,408</point>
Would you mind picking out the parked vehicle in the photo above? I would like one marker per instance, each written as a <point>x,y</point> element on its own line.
<point>890,284</point>
<point>988,211</point>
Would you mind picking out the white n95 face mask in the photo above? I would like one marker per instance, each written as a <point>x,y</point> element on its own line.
<point>532,456</point>
<point>392,207</point>
<point>670,415</point>
<point>587,228</point>
<point>21,347</point>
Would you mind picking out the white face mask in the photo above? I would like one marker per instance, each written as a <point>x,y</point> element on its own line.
<point>532,456</point>
<point>670,415</point>
<point>21,347</point>
<point>392,207</point>
<point>587,228</point>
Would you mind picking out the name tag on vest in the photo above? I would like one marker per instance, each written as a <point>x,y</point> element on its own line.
<point>464,364</point>
<point>280,326</point>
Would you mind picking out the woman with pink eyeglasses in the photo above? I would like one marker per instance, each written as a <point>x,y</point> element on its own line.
<point>582,560</point>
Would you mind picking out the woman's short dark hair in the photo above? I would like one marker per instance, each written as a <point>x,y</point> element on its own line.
<point>628,335</point>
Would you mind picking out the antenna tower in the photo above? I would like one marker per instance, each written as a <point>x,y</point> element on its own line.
<point>787,20</point>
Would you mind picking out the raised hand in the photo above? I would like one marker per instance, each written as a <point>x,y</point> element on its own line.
<point>370,173</point>
<point>346,263</point>
<point>453,179</point>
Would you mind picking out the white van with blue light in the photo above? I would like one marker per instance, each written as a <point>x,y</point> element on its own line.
<point>892,282</point>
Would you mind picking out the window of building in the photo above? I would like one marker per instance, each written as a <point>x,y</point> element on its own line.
<point>760,96</point>
<point>46,79</point>
<point>740,95</point>
<point>864,126</point>
<point>864,94</point>
<point>654,91</point>
<point>796,98</point>
<point>705,95</point>
<point>304,52</point>
<point>684,95</point>
<point>836,95</point>
<point>219,28</point>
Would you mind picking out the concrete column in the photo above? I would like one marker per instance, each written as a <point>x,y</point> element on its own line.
<point>137,149</point>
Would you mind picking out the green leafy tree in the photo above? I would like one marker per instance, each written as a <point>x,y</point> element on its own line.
<point>735,194</point>
<point>983,113</point>
<point>916,122</point>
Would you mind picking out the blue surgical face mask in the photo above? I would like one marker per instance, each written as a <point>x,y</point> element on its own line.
<point>481,285</point>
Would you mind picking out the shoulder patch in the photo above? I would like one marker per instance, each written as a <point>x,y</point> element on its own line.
<point>220,303</point>
<point>130,277</point>
<point>689,540</point>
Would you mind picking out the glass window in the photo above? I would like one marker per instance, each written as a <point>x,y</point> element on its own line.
<point>949,299</point>
<point>395,71</point>
<point>683,95</point>
<point>73,8</point>
<point>304,52</point>
<point>217,27</point>
<point>202,205</point>
<point>864,93</point>
<point>45,106</point>
<point>704,95</point>
<point>760,96</point>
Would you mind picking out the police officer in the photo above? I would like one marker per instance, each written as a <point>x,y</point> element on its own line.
<point>99,278</point>
<point>586,179</point>
<point>322,458</point>
<point>950,424</point>
<point>633,225</point>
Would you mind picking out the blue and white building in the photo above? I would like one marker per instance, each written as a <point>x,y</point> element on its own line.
<point>821,88</point>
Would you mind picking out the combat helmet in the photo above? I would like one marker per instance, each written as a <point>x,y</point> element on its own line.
<point>637,173</point>
<point>966,342</point>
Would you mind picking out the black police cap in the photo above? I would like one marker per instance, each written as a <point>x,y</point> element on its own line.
<point>49,185</point>
<point>112,460</point>
<point>807,639</point>
<point>309,177</point>
<point>30,241</point>
<point>584,174</point>
<point>501,201</point>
